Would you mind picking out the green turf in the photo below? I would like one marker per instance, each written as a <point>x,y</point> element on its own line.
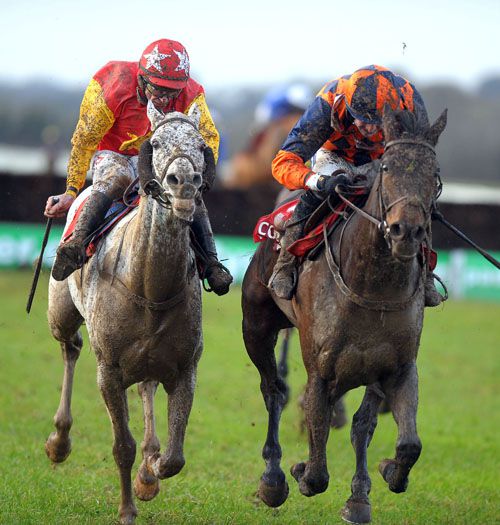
<point>456,480</point>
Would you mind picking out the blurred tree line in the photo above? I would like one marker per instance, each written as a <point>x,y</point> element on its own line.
<point>42,114</point>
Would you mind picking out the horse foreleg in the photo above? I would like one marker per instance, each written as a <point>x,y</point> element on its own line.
<point>146,485</point>
<point>115,397</point>
<point>402,395</point>
<point>357,508</point>
<point>283,360</point>
<point>58,444</point>
<point>313,476</point>
<point>180,401</point>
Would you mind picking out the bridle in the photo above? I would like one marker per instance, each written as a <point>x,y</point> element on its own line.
<point>154,186</point>
<point>381,223</point>
<point>382,226</point>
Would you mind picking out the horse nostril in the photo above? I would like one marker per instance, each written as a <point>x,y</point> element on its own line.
<point>197,180</point>
<point>173,180</point>
<point>419,233</point>
<point>396,231</point>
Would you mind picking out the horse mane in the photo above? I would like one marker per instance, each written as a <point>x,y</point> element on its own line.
<point>411,124</point>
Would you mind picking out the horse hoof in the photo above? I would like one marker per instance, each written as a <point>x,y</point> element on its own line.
<point>128,518</point>
<point>309,487</point>
<point>57,449</point>
<point>146,488</point>
<point>356,512</point>
<point>273,496</point>
<point>387,468</point>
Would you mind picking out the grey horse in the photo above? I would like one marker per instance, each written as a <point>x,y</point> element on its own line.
<point>140,298</point>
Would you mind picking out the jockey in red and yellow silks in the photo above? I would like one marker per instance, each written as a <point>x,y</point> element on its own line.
<point>341,129</point>
<point>112,126</point>
<point>113,118</point>
<point>328,123</point>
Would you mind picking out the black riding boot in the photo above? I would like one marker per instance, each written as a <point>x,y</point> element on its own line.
<point>217,275</point>
<point>71,255</point>
<point>284,277</point>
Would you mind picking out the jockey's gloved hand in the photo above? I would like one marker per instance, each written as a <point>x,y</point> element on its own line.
<point>326,183</point>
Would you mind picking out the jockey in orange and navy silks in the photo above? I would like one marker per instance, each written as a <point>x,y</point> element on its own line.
<point>113,110</point>
<point>330,123</point>
<point>341,129</point>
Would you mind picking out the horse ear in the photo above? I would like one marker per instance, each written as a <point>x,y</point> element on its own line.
<point>432,135</point>
<point>390,124</point>
<point>194,114</point>
<point>155,116</point>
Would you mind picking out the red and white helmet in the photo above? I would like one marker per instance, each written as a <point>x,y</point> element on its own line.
<point>165,63</point>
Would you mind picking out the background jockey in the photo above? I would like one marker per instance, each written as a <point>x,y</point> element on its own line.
<point>341,129</point>
<point>275,116</point>
<point>112,126</point>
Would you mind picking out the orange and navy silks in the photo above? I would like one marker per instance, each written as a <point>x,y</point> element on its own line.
<point>328,124</point>
<point>112,118</point>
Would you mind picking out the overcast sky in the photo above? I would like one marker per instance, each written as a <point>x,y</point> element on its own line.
<point>233,42</point>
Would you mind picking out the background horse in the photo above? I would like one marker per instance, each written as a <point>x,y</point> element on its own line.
<point>359,317</point>
<point>140,298</point>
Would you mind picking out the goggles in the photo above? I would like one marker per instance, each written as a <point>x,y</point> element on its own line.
<point>159,92</point>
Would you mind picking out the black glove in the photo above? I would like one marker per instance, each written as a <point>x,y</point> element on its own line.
<point>327,183</point>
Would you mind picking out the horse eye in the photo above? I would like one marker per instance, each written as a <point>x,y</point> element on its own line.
<point>155,143</point>
<point>384,167</point>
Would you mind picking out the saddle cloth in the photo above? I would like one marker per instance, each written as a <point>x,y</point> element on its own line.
<point>116,212</point>
<point>273,225</point>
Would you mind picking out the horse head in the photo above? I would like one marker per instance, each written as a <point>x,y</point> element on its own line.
<point>172,161</point>
<point>408,180</point>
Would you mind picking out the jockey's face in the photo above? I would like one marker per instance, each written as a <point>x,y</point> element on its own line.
<point>160,96</point>
<point>367,130</point>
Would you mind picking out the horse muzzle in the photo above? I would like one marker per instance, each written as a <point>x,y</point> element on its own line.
<point>405,239</point>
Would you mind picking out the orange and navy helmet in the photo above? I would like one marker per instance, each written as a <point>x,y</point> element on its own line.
<point>165,63</point>
<point>369,89</point>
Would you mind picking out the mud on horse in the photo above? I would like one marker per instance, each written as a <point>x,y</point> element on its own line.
<point>359,312</point>
<point>140,298</point>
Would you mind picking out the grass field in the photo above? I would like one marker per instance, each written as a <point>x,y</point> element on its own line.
<point>456,480</point>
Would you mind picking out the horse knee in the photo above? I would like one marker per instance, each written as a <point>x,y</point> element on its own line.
<point>124,453</point>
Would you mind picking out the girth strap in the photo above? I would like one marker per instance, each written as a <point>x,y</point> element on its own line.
<point>142,301</point>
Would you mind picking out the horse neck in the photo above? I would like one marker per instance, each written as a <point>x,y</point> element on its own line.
<point>366,261</point>
<point>158,252</point>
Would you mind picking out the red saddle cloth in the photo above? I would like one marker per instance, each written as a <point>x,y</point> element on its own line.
<point>117,210</point>
<point>267,225</point>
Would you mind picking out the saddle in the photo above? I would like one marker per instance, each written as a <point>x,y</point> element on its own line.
<point>329,214</point>
<point>116,212</point>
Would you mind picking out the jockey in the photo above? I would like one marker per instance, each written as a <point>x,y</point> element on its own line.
<point>112,126</point>
<point>341,129</point>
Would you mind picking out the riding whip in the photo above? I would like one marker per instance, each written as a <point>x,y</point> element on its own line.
<point>55,200</point>
<point>439,217</point>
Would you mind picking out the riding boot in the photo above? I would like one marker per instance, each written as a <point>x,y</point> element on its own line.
<point>432,296</point>
<point>284,277</point>
<point>217,275</point>
<point>71,255</point>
